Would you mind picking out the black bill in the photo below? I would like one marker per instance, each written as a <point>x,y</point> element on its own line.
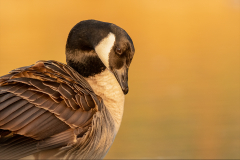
<point>122,78</point>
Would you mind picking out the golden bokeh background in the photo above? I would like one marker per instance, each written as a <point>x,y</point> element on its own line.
<point>184,99</point>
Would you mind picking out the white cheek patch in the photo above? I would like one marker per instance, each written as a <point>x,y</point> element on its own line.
<point>104,47</point>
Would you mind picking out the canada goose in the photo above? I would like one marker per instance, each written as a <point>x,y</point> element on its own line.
<point>72,110</point>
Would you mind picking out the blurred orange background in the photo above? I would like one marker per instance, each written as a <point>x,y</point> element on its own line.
<point>184,99</point>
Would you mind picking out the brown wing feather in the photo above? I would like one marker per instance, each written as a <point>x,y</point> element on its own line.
<point>41,107</point>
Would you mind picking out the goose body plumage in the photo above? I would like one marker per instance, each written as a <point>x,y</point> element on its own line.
<point>73,110</point>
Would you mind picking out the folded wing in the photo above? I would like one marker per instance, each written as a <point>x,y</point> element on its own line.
<point>43,106</point>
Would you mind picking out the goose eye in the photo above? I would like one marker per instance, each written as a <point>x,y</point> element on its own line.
<point>119,51</point>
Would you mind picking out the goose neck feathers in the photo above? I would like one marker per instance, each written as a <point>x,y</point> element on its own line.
<point>106,86</point>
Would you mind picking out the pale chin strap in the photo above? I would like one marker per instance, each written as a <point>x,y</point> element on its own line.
<point>104,47</point>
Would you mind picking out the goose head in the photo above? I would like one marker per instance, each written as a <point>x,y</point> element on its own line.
<point>94,46</point>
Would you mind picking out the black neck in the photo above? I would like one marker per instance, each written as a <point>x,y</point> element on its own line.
<point>88,65</point>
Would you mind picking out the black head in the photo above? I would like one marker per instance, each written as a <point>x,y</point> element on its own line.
<point>94,46</point>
